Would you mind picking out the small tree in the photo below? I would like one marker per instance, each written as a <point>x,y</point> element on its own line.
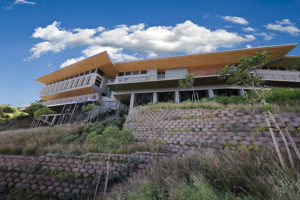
<point>246,74</point>
<point>111,139</point>
<point>188,81</point>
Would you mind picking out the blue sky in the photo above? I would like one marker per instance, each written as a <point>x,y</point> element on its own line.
<point>40,36</point>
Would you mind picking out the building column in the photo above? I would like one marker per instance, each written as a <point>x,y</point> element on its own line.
<point>177,100</point>
<point>241,92</point>
<point>131,100</point>
<point>155,97</point>
<point>210,93</point>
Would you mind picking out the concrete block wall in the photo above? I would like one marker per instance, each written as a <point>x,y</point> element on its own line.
<point>61,177</point>
<point>204,127</point>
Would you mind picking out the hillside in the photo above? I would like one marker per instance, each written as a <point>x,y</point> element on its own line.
<point>214,149</point>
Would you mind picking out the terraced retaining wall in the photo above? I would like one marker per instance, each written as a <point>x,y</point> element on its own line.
<point>66,177</point>
<point>205,127</point>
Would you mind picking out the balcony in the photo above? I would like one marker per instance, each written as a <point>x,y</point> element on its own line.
<point>72,100</point>
<point>132,78</point>
<point>280,75</point>
<point>69,84</point>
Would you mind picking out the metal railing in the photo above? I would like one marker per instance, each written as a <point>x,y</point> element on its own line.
<point>132,78</point>
<point>73,83</point>
<point>279,75</point>
<point>71,100</point>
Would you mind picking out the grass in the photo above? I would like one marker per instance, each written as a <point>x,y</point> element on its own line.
<point>63,139</point>
<point>227,175</point>
<point>34,140</point>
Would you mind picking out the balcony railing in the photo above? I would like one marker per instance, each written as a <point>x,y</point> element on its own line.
<point>133,78</point>
<point>70,84</point>
<point>279,75</point>
<point>71,100</point>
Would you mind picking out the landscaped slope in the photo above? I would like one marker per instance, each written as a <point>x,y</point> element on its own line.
<point>206,125</point>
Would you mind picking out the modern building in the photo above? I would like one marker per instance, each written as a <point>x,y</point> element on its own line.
<point>137,83</point>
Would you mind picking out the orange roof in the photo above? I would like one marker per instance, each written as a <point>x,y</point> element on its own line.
<point>101,61</point>
<point>204,61</point>
<point>196,61</point>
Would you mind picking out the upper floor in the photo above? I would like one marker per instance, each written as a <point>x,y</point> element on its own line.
<point>99,74</point>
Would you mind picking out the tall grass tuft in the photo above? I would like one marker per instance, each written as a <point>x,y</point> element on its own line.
<point>211,175</point>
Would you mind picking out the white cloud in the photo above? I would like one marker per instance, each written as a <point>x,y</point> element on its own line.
<point>145,41</point>
<point>284,25</point>
<point>237,20</point>
<point>24,2</point>
<point>248,46</point>
<point>266,36</point>
<point>249,29</point>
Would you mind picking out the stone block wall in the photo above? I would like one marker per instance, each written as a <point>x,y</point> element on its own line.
<point>66,177</point>
<point>205,127</point>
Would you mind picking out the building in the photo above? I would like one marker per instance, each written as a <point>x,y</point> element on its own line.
<point>156,80</point>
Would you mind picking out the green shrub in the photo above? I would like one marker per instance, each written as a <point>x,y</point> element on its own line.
<point>42,111</point>
<point>225,100</point>
<point>33,107</point>
<point>7,109</point>
<point>282,94</point>
<point>88,107</point>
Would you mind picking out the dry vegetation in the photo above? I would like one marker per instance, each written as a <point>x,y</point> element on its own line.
<point>34,140</point>
<point>228,175</point>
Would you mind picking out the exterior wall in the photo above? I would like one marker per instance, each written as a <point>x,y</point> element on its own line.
<point>67,176</point>
<point>206,127</point>
<point>176,73</point>
<point>152,74</point>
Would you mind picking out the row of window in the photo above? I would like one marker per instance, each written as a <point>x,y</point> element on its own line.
<point>96,70</point>
<point>145,98</point>
<point>132,73</point>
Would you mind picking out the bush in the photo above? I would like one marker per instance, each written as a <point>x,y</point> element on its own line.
<point>225,100</point>
<point>33,107</point>
<point>282,94</point>
<point>42,111</point>
<point>7,109</point>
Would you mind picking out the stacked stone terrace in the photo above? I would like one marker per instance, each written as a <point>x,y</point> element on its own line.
<point>208,128</point>
<point>67,177</point>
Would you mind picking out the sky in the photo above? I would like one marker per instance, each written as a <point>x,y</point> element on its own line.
<point>40,36</point>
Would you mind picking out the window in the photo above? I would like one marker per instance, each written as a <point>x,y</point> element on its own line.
<point>143,99</point>
<point>144,72</point>
<point>166,96</point>
<point>226,92</point>
<point>161,74</point>
<point>120,73</point>
<point>189,95</point>
<point>98,81</point>
<point>127,73</point>
<point>135,73</point>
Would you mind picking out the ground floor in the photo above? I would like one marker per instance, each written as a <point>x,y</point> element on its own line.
<point>142,97</point>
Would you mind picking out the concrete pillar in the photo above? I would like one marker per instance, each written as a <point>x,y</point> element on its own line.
<point>177,100</point>
<point>155,97</point>
<point>210,93</point>
<point>241,92</point>
<point>131,100</point>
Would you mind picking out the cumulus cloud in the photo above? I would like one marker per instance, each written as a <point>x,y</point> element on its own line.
<point>24,2</point>
<point>148,42</point>
<point>249,29</point>
<point>248,46</point>
<point>237,20</point>
<point>266,36</point>
<point>284,25</point>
